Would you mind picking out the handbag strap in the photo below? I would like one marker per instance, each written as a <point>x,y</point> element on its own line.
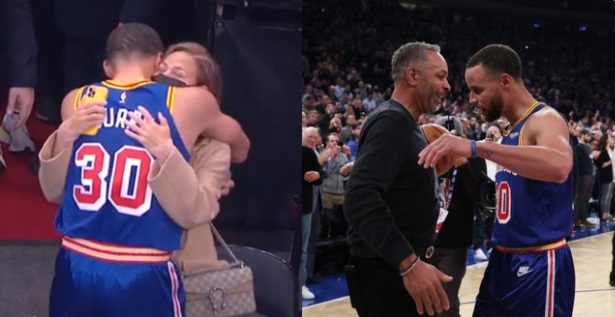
<point>236,262</point>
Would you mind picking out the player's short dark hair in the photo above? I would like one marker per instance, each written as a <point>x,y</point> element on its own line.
<point>133,38</point>
<point>498,59</point>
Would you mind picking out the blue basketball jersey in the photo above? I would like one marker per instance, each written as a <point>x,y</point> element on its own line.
<point>107,197</point>
<point>530,212</point>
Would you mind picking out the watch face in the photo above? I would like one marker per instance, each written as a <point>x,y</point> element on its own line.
<point>164,79</point>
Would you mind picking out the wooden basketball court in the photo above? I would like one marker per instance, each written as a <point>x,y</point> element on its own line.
<point>594,296</point>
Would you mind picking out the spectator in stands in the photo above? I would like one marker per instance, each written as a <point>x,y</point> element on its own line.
<point>346,133</point>
<point>585,180</point>
<point>312,175</point>
<point>353,143</point>
<point>312,118</point>
<point>333,185</point>
<point>370,102</point>
<point>604,168</point>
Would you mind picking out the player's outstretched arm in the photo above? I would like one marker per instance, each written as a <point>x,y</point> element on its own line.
<point>189,193</point>
<point>202,113</point>
<point>546,157</point>
<point>226,128</point>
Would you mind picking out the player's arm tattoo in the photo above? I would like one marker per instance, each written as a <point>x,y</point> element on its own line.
<point>488,153</point>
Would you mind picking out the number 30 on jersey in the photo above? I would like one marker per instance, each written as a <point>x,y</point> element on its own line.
<point>503,204</point>
<point>131,166</point>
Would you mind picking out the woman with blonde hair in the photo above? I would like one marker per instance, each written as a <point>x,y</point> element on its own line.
<point>192,65</point>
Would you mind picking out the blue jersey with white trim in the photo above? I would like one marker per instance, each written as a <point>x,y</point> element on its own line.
<point>530,212</point>
<point>107,197</point>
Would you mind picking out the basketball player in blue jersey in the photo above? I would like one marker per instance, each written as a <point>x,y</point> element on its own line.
<point>530,272</point>
<point>120,213</point>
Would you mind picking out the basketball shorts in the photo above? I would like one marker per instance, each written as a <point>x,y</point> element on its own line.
<point>527,284</point>
<point>93,281</point>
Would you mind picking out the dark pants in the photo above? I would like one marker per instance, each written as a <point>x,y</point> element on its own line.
<point>50,87</point>
<point>581,201</point>
<point>377,290</point>
<point>452,262</point>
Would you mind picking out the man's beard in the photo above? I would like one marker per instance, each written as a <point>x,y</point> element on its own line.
<point>495,110</point>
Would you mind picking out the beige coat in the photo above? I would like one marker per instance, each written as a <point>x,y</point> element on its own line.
<point>170,181</point>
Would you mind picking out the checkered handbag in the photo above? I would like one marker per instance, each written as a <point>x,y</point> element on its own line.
<point>224,291</point>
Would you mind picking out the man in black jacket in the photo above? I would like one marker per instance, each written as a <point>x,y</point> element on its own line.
<point>19,43</point>
<point>391,204</point>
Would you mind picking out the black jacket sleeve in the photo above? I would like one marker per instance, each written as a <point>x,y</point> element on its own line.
<point>21,43</point>
<point>309,163</point>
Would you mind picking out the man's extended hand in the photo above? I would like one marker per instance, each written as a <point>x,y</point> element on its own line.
<point>424,284</point>
<point>446,144</point>
<point>21,100</point>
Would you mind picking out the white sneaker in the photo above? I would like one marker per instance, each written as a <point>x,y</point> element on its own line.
<point>479,255</point>
<point>306,294</point>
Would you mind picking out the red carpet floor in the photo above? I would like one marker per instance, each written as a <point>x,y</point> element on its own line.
<point>24,212</point>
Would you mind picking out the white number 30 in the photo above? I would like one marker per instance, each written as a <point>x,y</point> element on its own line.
<point>128,190</point>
